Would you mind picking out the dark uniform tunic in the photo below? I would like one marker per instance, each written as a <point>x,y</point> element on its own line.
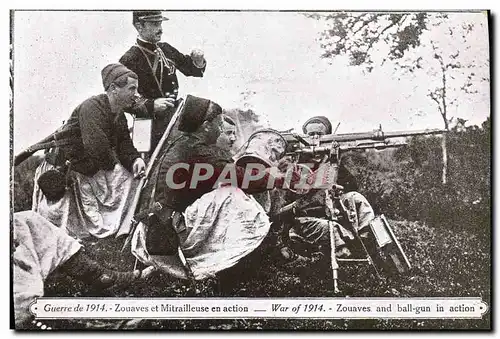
<point>316,198</point>
<point>104,138</point>
<point>142,58</point>
<point>344,176</point>
<point>191,149</point>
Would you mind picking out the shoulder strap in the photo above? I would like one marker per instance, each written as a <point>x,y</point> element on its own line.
<point>144,51</point>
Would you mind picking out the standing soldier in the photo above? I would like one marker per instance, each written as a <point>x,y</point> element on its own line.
<point>156,64</point>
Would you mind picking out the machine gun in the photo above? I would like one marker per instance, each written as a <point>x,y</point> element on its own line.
<point>299,145</point>
<point>381,248</point>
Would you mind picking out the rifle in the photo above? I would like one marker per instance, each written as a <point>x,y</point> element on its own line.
<point>58,138</point>
<point>134,220</point>
<point>139,216</point>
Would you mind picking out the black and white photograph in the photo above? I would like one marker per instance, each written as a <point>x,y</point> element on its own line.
<point>250,170</point>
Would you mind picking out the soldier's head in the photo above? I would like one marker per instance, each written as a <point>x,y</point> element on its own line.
<point>149,25</point>
<point>203,117</point>
<point>228,136</point>
<point>212,126</point>
<point>120,84</point>
<point>318,125</point>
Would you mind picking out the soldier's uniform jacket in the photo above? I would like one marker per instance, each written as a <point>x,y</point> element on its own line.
<point>191,149</point>
<point>188,149</point>
<point>104,138</point>
<point>316,199</point>
<point>344,178</point>
<point>143,57</point>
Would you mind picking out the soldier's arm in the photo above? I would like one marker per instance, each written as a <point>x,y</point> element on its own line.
<point>127,153</point>
<point>183,62</point>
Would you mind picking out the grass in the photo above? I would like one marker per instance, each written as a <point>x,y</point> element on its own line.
<point>449,260</point>
<point>445,264</point>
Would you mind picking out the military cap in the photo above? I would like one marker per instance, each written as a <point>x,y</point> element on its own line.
<point>112,72</point>
<point>138,16</point>
<point>322,120</point>
<point>229,120</point>
<point>193,113</point>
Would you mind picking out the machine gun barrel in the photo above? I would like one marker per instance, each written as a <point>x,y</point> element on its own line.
<point>326,149</point>
<point>295,140</point>
<point>377,139</point>
<point>377,135</point>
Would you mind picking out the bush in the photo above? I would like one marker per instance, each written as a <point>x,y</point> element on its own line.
<point>406,183</point>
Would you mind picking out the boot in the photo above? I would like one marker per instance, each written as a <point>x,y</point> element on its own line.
<point>161,237</point>
<point>83,268</point>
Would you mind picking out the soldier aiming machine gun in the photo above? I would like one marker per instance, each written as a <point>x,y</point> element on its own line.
<point>385,254</point>
<point>329,144</point>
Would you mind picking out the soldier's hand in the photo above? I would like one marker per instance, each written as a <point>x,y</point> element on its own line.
<point>299,182</point>
<point>162,104</point>
<point>138,168</point>
<point>198,58</point>
<point>284,164</point>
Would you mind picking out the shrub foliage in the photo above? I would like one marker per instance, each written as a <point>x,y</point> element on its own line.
<point>406,182</point>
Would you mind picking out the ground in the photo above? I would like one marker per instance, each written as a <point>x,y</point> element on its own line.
<point>446,263</point>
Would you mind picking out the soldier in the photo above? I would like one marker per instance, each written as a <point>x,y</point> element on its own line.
<point>86,183</point>
<point>311,225</point>
<point>39,248</point>
<point>321,125</point>
<point>156,64</point>
<point>216,223</point>
<point>105,140</point>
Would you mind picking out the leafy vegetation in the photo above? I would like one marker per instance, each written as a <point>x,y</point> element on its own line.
<point>442,47</point>
<point>406,183</point>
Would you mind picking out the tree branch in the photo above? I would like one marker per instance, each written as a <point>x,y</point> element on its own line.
<point>366,23</point>
<point>433,96</point>
<point>378,35</point>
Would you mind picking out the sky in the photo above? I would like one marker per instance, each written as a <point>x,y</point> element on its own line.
<point>58,56</point>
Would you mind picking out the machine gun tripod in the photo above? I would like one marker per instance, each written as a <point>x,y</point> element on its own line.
<point>377,246</point>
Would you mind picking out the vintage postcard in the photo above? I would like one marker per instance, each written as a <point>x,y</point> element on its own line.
<point>250,170</point>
